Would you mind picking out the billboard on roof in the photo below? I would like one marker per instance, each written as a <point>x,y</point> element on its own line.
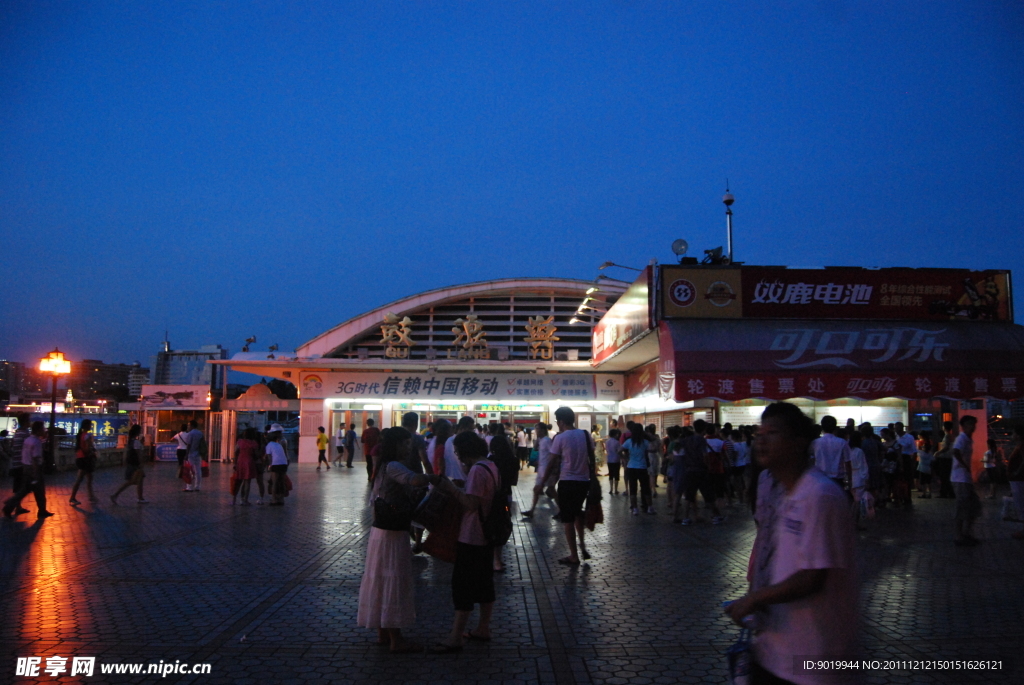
<point>773,292</point>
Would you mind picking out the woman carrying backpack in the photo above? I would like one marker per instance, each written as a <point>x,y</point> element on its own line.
<point>387,601</point>
<point>473,573</point>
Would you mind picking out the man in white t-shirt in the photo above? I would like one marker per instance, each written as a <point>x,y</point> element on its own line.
<point>522,448</point>
<point>339,444</point>
<point>572,448</point>
<point>808,609</point>
<point>32,470</point>
<point>832,453</point>
<point>905,440</point>
<point>968,506</point>
<point>452,465</point>
<point>278,465</point>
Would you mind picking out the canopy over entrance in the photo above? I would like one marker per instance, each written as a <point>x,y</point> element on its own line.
<point>731,360</point>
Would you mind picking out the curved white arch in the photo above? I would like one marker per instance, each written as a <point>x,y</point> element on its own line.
<point>358,326</point>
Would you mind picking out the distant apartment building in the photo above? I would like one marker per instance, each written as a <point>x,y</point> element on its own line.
<point>93,378</point>
<point>12,377</point>
<point>35,381</point>
<point>186,367</point>
<point>137,377</point>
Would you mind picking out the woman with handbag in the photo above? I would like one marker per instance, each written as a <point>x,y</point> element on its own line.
<point>247,466</point>
<point>133,473</point>
<point>387,600</point>
<point>85,461</point>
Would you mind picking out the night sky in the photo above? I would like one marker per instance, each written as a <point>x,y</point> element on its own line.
<point>220,170</point>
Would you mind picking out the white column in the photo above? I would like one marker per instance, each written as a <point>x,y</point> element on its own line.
<point>311,415</point>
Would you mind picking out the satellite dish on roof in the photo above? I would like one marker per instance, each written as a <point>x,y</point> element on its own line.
<point>679,247</point>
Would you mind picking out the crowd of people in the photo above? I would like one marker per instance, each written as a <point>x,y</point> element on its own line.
<point>255,453</point>
<point>876,469</point>
<point>809,487</point>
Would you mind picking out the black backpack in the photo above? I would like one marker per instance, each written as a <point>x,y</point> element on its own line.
<point>498,524</point>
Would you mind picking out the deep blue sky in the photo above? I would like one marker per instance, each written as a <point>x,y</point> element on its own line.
<point>226,169</point>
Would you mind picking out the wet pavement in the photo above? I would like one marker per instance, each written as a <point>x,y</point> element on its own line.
<point>269,594</point>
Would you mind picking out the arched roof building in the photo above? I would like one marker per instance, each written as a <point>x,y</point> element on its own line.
<point>502,350</point>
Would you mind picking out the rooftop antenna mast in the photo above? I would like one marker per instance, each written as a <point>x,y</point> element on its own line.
<point>727,200</point>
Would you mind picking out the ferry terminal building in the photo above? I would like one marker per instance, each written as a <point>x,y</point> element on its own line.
<point>681,342</point>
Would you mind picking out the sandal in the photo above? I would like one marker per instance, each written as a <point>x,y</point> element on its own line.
<point>442,648</point>
<point>586,554</point>
<point>407,648</point>
<point>470,635</point>
<point>568,561</point>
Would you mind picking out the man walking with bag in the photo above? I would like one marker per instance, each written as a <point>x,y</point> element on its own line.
<point>574,452</point>
<point>32,478</point>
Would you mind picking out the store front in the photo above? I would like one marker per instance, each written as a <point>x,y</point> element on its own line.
<point>918,346</point>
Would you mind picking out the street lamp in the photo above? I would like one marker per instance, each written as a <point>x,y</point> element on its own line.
<point>607,264</point>
<point>53,363</point>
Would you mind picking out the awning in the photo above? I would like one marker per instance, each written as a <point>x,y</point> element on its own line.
<point>781,359</point>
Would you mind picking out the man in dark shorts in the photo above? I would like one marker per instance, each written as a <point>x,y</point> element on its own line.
<point>574,451</point>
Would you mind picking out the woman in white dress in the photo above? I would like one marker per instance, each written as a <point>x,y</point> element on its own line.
<point>387,600</point>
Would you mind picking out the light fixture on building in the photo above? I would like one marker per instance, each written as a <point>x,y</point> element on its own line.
<point>607,264</point>
<point>727,200</point>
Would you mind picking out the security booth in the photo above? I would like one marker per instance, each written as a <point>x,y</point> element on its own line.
<point>257,408</point>
<point>166,408</point>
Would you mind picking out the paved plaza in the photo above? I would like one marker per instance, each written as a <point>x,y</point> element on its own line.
<point>269,594</point>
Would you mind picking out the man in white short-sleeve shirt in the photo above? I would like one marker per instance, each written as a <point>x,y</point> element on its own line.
<point>572,448</point>
<point>968,505</point>
<point>809,608</point>
<point>905,440</point>
<point>831,453</point>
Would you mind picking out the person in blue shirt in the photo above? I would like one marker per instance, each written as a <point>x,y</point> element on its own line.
<point>634,451</point>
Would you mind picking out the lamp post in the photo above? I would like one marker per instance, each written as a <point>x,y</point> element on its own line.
<point>607,264</point>
<point>53,363</point>
<point>727,200</point>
